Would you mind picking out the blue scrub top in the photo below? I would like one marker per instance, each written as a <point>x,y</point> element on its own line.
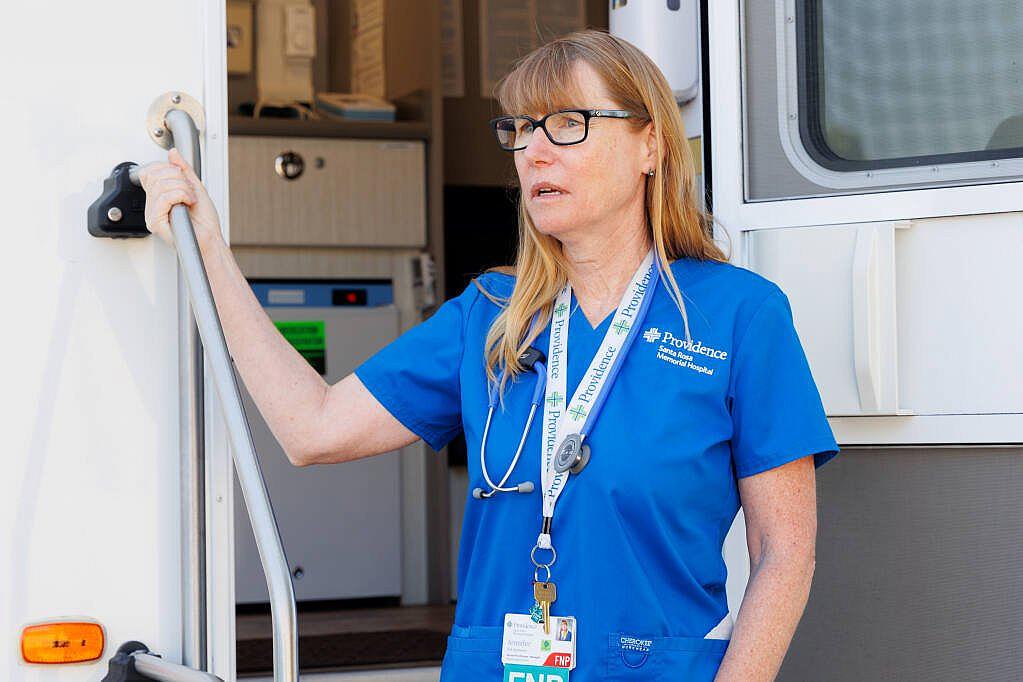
<point>639,531</point>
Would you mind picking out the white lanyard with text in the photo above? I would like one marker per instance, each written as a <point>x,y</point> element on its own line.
<point>561,444</point>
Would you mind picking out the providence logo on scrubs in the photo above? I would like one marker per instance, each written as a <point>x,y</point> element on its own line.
<point>682,352</point>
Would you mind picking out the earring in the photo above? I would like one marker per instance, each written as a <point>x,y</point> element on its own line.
<point>650,172</point>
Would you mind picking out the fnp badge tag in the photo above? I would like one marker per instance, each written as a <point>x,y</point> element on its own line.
<point>526,648</point>
<point>534,673</point>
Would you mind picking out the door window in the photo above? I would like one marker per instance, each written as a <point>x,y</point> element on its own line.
<point>899,82</point>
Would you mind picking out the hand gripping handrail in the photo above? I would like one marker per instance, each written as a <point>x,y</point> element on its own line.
<point>185,137</point>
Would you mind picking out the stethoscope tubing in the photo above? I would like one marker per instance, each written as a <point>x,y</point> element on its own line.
<point>538,393</point>
<point>541,383</point>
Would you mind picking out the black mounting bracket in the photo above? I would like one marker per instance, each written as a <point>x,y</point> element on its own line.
<point>122,665</point>
<point>120,211</point>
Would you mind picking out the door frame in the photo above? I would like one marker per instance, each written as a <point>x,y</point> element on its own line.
<point>220,607</point>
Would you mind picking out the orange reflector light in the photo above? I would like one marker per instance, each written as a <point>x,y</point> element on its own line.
<point>62,642</point>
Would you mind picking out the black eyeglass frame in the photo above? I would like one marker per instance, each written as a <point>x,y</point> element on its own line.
<point>542,123</point>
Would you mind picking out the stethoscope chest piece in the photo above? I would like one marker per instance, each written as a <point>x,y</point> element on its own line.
<point>572,454</point>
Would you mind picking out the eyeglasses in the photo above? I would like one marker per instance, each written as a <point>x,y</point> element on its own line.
<point>568,126</point>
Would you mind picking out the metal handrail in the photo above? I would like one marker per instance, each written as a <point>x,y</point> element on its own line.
<point>155,668</point>
<point>192,443</point>
<point>257,501</point>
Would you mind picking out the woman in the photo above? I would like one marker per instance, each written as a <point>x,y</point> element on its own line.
<point>621,328</point>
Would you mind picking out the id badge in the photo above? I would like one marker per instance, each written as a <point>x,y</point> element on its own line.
<point>526,648</point>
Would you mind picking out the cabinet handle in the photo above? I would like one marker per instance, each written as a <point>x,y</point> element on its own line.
<point>864,314</point>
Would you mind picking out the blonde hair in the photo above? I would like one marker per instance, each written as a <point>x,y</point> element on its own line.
<point>543,81</point>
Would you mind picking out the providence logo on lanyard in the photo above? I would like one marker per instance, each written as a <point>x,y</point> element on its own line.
<point>529,650</point>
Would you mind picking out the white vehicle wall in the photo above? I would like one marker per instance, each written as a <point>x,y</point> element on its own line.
<point>90,520</point>
<point>899,254</point>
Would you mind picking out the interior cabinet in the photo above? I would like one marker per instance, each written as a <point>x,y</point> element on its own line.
<point>295,191</point>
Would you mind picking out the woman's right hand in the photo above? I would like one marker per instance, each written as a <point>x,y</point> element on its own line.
<point>167,184</point>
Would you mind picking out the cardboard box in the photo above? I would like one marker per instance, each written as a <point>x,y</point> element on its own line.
<point>391,48</point>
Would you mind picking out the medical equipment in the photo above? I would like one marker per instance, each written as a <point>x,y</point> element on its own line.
<point>535,359</point>
<point>572,454</point>
<point>333,324</point>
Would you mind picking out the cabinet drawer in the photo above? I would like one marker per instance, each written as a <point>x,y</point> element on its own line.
<point>350,192</point>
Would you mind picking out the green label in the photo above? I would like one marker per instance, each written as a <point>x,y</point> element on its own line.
<point>309,337</point>
<point>534,673</point>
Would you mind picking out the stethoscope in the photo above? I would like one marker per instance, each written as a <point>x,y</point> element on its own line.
<point>535,359</point>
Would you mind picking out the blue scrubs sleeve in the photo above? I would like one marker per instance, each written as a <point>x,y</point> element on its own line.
<point>777,414</point>
<point>416,376</point>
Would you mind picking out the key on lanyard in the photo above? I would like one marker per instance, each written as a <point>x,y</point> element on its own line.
<point>545,594</point>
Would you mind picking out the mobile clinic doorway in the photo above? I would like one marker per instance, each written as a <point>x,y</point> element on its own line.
<point>335,221</point>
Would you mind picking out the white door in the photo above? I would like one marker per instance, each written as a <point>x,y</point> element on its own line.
<point>89,494</point>
<point>868,157</point>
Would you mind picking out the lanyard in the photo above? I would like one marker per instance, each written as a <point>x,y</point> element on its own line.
<point>562,434</point>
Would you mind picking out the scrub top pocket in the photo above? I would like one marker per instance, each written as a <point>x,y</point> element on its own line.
<point>473,653</point>
<point>660,659</point>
